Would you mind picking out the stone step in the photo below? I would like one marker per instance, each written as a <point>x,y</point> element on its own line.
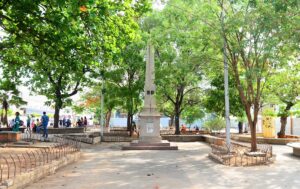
<point>140,143</point>
<point>23,143</point>
<point>116,139</point>
<point>150,148</point>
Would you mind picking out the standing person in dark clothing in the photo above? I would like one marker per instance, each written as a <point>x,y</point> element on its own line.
<point>85,121</point>
<point>68,123</point>
<point>28,122</point>
<point>45,121</point>
<point>240,126</point>
<point>64,122</point>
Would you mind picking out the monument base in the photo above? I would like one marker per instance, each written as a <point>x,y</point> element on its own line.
<point>142,145</point>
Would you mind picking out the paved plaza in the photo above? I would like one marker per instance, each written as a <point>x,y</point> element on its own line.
<point>105,166</point>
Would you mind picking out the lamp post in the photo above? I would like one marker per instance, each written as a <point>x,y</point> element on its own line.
<point>102,111</point>
<point>226,91</point>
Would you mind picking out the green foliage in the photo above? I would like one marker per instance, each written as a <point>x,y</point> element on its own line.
<point>78,109</point>
<point>60,42</point>
<point>269,112</point>
<point>215,124</point>
<point>9,93</point>
<point>214,101</point>
<point>284,85</point>
<point>192,114</point>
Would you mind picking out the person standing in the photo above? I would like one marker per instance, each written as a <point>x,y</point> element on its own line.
<point>64,122</point>
<point>37,126</point>
<point>240,126</point>
<point>28,122</point>
<point>17,122</point>
<point>68,123</point>
<point>85,123</point>
<point>45,121</point>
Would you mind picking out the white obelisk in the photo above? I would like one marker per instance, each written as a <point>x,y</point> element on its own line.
<point>149,121</point>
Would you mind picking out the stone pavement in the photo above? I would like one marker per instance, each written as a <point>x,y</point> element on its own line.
<point>105,166</point>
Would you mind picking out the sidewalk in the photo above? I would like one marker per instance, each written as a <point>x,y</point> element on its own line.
<point>106,166</point>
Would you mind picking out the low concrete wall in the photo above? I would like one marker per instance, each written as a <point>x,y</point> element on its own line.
<point>21,129</point>
<point>280,141</point>
<point>65,130</point>
<point>9,136</point>
<point>213,140</point>
<point>85,139</point>
<point>25,179</point>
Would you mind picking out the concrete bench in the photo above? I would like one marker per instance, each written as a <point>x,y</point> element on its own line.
<point>296,148</point>
<point>21,129</point>
<point>9,136</point>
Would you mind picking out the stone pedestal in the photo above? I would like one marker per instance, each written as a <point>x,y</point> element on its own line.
<point>149,127</point>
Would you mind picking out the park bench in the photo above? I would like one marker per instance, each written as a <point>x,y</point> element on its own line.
<point>296,148</point>
<point>21,129</point>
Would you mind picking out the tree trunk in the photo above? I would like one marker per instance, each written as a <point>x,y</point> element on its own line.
<point>2,119</point>
<point>56,116</point>
<point>177,118</point>
<point>252,125</point>
<point>5,117</point>
<point>283,120</point>
<point>129,124</point>
<point>5,108</point>
<point>107,118</point>
<point>171,123</point>
<point>253,136</point>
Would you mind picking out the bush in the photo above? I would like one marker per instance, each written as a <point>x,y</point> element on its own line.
<point>215,124</point>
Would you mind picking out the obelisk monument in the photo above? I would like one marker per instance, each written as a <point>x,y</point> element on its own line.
<point>149,117</point>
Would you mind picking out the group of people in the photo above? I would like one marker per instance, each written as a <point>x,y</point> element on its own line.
<point>82,122</point>
<point>65,122</point>
<point>184,128</point>
<point>31,124</point>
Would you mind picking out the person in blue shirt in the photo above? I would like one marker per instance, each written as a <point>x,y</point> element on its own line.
<point>45,121</point>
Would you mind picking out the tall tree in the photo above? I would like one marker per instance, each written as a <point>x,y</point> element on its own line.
<point>285,85</point>
<point>64,40</point>
<point>255,41</point>
<point>128,77</point>
<point>9,81</point>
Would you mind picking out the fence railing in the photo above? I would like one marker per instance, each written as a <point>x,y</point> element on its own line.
<point>14,163</point>
<point>240,155</point>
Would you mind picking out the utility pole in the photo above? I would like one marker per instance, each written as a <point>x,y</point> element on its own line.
<point>292,124</point>
<point>226,91</point>
<point>102,111</point>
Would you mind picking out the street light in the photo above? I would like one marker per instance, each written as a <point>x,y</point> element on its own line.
<point>226,91</point>
<point>102,106</point>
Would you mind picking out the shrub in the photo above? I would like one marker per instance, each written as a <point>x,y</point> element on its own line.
<point>215,124</point>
